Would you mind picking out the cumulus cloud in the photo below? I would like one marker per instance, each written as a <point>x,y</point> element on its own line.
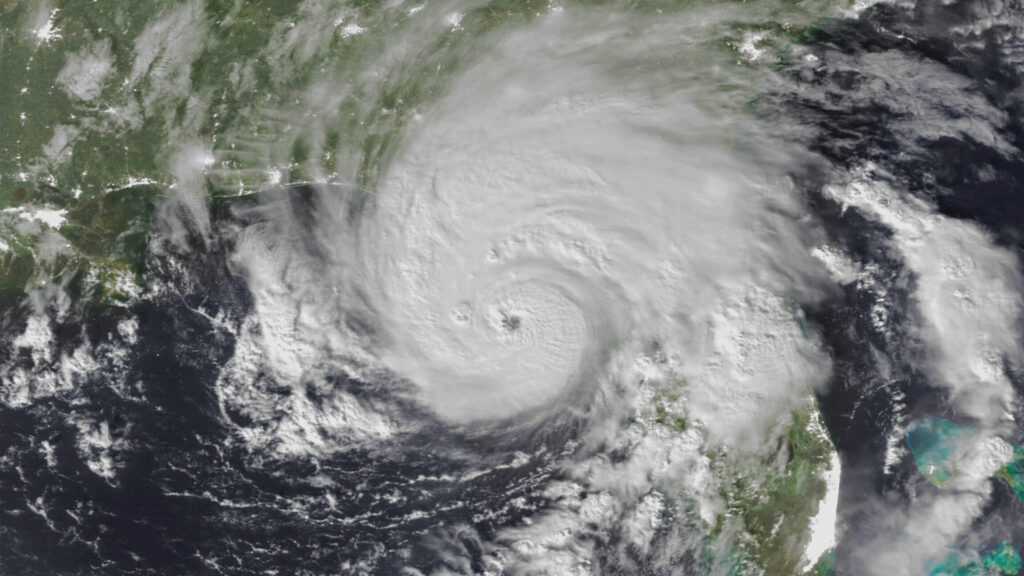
<point>967,294</point>
<point>85,71</point>
<point>965,315</point>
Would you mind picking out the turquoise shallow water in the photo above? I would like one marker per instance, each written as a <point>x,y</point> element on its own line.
<point>1003,559</point>
<point>934,443</point>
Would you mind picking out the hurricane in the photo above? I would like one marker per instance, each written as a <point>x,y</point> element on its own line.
<point>511,287</point>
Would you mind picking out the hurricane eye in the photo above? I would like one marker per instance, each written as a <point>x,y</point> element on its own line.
<point>510,322</point>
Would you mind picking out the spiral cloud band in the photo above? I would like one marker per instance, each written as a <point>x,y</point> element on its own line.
<point>543,223</point>
<point>550,245</point>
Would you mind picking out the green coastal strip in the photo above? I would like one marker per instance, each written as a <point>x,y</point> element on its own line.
<point>100,97</point>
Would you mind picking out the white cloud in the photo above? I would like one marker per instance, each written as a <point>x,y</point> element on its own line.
<point>533,238</point>
<point>85,71</point>
<point>967,294</point>
<point>164,52</point>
